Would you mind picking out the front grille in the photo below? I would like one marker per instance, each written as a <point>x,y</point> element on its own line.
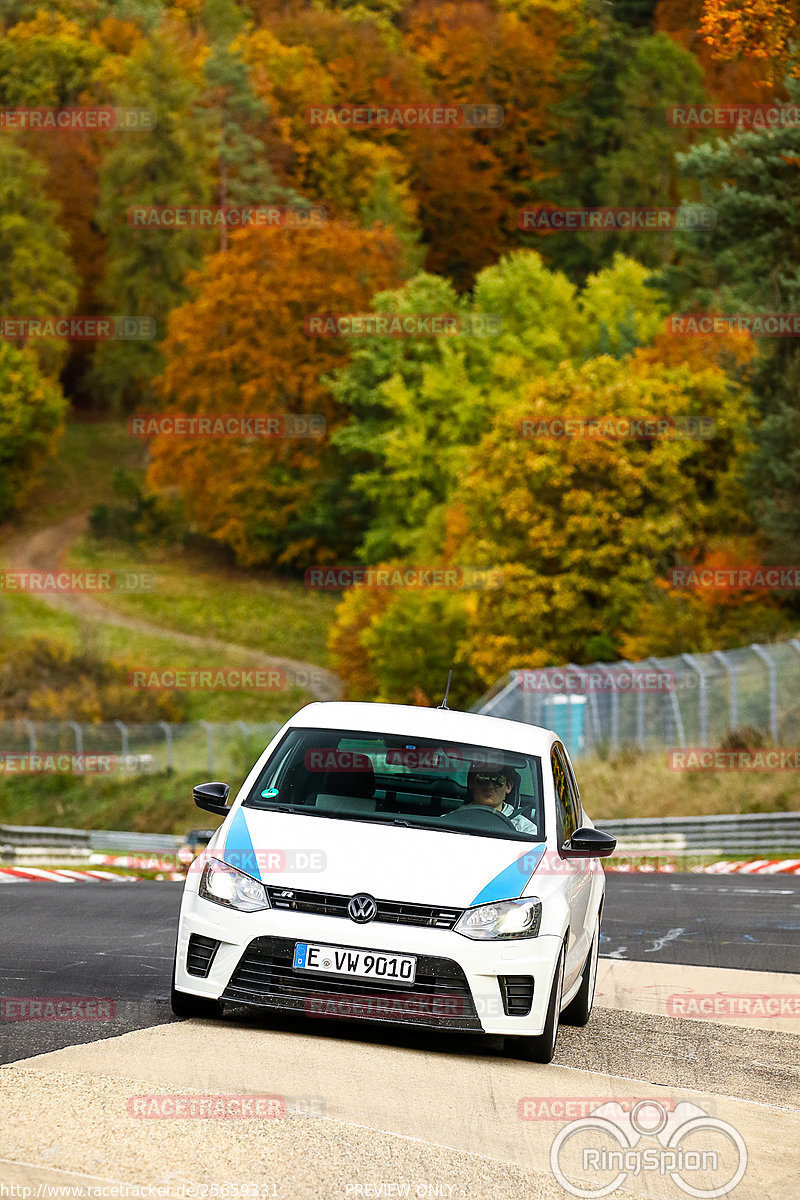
<point>517,992</point>
<point>439,997</point>
<point>329,904</point>
<point>200,955</point>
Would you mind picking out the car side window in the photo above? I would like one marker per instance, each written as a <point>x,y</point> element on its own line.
<point>565,800</point>
<point>573,785</point>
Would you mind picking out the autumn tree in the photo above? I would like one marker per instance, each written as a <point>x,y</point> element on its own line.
<point>420,406</point>
<point>726,81</point>
<point>761,30</point>
<point>470,182</point>
<point>32,410</point>
<point>241,347</point>
<point>170,165</point>
<point>236,113</point>
<point>323,59</point>
<point>37,277</point>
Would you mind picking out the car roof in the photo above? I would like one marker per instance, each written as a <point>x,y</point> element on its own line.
<point>416,721</point>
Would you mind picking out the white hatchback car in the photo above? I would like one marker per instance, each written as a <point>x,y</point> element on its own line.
<point>389,863</point>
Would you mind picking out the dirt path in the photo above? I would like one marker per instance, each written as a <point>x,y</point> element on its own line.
<point>46,550</point>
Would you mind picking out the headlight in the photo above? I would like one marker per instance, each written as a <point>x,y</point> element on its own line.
<point>233,889</point>
<point>506,919</point>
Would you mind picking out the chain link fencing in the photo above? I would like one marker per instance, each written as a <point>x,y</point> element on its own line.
<point>684,701</point>
<point>200,747</point>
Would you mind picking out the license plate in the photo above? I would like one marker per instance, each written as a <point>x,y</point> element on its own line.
<point>361,964</point>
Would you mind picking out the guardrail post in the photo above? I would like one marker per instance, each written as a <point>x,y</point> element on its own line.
<point>733,710</point>
<point>209,728</point>
<point>702,698</point>
<point>773,687</point>
<point>31,733</point>
<point>167,743</point>
<point>123,729</point>
<point>78,735</point>
<point>614,731</point>
<point>674,705</point>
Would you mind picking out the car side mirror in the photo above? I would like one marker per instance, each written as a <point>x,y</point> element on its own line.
<point>589,843</point>
<point>213,797</point>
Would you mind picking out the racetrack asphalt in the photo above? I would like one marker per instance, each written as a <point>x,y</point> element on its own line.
<point>376,1111</point>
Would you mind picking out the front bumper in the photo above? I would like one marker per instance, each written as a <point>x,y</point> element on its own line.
<point>459,983</point>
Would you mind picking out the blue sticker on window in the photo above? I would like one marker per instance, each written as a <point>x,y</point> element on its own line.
<point>270,792</point>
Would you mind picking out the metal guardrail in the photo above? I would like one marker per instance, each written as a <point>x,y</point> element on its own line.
<point>42,835</point>
<point>740,833</point>
<point>117,841</point>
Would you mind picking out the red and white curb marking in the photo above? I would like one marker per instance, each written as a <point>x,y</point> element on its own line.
<point>758,866</point>
<point>62,875</point>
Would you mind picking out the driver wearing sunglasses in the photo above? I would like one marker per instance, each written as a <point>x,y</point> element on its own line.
<point>490,784</point>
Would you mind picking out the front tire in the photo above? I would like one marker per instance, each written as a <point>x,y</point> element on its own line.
<point>579,1008</point>
<point>542,1047</point>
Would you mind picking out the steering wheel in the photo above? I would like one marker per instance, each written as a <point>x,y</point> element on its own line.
<point>479,814</point>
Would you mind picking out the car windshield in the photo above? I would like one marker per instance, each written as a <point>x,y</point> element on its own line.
<point>392,779</point>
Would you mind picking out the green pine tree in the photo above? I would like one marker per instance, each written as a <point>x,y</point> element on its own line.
<point>170,165</point>
<point>749,263</point>
<point>37,275</point>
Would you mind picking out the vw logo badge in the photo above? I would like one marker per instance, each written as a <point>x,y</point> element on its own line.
<point>362,908</point>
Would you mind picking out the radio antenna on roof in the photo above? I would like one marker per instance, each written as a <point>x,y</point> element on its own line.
<point>447,689</point>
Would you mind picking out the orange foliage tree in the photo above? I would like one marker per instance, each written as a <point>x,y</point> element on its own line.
<point>755,29</point>
<point>241,347</point>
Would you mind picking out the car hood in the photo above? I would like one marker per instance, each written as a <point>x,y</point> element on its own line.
<point>420,866</point>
